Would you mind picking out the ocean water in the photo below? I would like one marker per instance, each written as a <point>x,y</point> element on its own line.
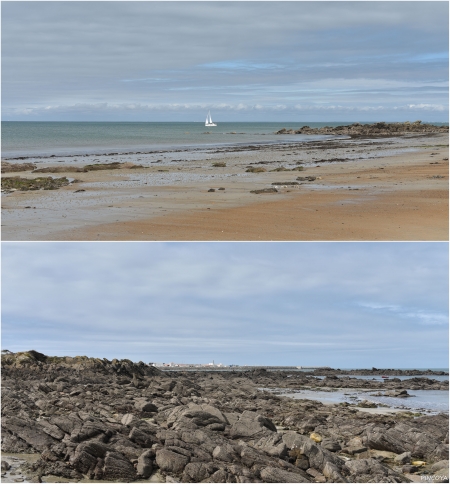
<point>77,138</point>
<point>378,378</point>
<point>428,401</point>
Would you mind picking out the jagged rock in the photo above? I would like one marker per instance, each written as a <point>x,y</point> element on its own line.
<point>26,430</point>
<point>273,474</point>
<point>402,438</point>
<point>251,425</point>
<point>116,467</point>
<point>141,438</point>
<point>197,472</point>
<point>169,461</point>
<point>224,453</point>
<point>374,471</point>
<point>404,458</point>
<point>331,445</point>
<point>144,406</point>
<point>144,466</point>
<point>319,458</point>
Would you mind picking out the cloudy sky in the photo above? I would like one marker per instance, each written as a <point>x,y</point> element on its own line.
<point>337,304</point>
<point>246,61</point>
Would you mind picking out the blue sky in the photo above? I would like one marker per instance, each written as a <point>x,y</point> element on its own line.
<point>336,304</point>
<point>246,61</point>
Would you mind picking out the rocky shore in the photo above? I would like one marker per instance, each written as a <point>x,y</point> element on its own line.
<point>123,421</point>
<point>376,129</point>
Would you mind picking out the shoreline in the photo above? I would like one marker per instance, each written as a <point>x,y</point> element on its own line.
<point>86,418</point>
<point>393,189</point>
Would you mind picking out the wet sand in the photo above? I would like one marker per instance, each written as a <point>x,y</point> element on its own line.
<point>384,190</point>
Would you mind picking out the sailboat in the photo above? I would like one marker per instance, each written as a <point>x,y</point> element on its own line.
<point>208,121</point>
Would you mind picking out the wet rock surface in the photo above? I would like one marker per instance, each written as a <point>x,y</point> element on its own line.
<point>124,421</point>
<point>376,129</point>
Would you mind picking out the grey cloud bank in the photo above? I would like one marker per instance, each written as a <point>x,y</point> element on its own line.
<point>337,304</point>
<point>260,61</point>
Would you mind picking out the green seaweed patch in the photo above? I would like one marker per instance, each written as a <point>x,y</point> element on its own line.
<point>40,183</point>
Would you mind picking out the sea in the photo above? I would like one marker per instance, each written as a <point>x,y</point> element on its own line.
<point>79,138</point>
<point>425,401</point>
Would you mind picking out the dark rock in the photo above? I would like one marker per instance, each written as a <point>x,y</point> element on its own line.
<point>141,438</point>
<point>26,430</point>
<point>144,406</point>
<point>273,474</point>
<point>404,458</point>
<point>374,470</point>
<point>118,468</point>
<point>169,461</point>
<point>144,466</point>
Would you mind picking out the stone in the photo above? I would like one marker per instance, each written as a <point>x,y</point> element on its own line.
<point>116,467</point>
<point>29,432</point>
<point>273,474</point>
<point>331,445</point>
<point>141,438</point>
<point>129,420</point>
<point>224,453</point>
<point>376,471</point>
<point>169,461</point>
<point>404,458</point>
<point>144,406</point>
<point>196,472</point>
<point>442,464</point>
<point>144,467</point>
<point>251,425</point>
<point>442,475</point>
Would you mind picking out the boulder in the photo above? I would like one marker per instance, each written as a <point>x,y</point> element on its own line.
<point>374,470</point>
<point>319,458</point>
<point>116,467</point>
<point>403,459</point>
<point>197,471</point>
<point>141,438</point>
<point>403,438</point>
<point>251,425</point>
<point>273,474</point>
<point>169,461</point>
<point>28,431</point>
<point>144,466</point>
<point>145,406</point>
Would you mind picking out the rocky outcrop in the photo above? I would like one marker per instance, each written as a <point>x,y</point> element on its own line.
<point>124,421</point>
<point>376,129</point>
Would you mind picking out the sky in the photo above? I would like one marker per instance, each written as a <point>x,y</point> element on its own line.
<point>244,61</point>
<point>336,304</point>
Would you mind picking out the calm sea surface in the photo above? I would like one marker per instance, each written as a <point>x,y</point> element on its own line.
<point>432,401</point>
<point>65,138</point>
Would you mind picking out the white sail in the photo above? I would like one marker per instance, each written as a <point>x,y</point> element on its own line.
<point>209,120</point>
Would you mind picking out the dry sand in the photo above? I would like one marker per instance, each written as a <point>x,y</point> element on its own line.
<point>393,197</point>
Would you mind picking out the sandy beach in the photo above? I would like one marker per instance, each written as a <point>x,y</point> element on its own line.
<point>358,189</point>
